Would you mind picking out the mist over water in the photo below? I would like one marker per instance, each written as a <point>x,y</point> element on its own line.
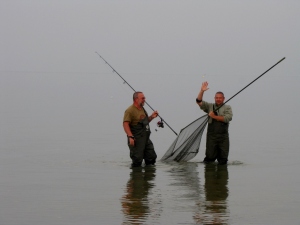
<point>64,159</point>
<point>79,175</point>
<point>63,153</point>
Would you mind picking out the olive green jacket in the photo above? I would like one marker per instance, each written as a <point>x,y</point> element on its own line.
<point>225,111</point>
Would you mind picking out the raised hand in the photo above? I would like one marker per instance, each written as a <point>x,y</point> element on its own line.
<point>204,86</point>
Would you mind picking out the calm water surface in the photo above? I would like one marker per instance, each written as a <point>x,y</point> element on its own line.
<point>65,162</point>
<point>81,178</point>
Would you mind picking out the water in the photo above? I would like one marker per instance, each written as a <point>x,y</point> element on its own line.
<point>63,153</point>
<point>64,160</point>
<point>72,180</point>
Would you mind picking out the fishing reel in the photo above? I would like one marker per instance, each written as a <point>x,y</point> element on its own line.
<point>160,123</point>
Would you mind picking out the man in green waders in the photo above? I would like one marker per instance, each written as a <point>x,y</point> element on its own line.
<point>136,126</point>
<point>217,139</point>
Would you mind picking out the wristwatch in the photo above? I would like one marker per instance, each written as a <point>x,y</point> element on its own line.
<point>131,137</point>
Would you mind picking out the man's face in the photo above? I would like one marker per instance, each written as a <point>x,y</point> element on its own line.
<point>219,99</point>
<point>141,99</point>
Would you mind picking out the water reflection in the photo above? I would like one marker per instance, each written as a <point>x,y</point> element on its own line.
<point>214,209</point>
<point>185,184</point>
<point>136,203</point>
<point>209,192</point>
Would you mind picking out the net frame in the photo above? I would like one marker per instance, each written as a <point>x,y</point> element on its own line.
<point>186,145</point>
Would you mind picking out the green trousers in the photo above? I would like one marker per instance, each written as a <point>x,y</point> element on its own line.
<point>142,150</point>
<point>217,143</point>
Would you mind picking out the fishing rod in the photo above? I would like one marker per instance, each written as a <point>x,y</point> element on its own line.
<point>160,124</point>
<point>251,83</point>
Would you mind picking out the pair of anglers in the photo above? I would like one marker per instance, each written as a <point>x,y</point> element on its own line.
<point>136,126</point>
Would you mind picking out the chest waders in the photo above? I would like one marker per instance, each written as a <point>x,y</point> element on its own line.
<point>143,147</point>
<point>217,142</point>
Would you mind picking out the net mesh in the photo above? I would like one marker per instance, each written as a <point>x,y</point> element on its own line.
<point>186,145</point>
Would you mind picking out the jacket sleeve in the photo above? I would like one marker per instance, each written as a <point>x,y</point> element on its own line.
<point>205,106</point>
<point>228,114</point>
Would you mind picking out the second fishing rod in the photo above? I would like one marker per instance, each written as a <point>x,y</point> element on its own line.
<point>162,120</point>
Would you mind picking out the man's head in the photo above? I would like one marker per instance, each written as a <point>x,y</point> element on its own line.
<point>139,98</point>
<point>219,98</point>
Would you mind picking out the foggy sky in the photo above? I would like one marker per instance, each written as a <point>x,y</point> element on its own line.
<point>50,76</point>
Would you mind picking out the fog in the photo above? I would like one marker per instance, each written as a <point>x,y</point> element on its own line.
<point>51,79</point>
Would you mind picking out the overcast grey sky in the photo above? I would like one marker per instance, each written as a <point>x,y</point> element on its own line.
<point>48,65</point>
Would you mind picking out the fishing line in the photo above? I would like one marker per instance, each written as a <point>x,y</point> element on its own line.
<point>125,82</point>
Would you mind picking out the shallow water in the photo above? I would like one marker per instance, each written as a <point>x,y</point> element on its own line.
<point>65,162</point>
<point>63,153</point>
<point>71,180</point>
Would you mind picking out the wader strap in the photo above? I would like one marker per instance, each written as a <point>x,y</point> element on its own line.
<point>215,112</point>
<point>142,127</point>
<point>145,112</point>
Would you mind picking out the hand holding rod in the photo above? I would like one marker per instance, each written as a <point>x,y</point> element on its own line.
<point>133,89</point>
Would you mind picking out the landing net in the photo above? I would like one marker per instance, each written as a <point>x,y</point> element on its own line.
<point>186,145</point>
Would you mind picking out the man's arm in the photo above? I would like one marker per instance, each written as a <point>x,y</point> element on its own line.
<point>153,115</point>
<point>215,117</point>
<point>227,115</point>
<point>127,128</point>
<point>128,132</point>
<point>204,88</point>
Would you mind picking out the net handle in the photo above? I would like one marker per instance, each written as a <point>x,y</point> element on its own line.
<point>251,83</point>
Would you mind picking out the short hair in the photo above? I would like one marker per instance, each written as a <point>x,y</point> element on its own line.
<point>220,92</point>
<point>135,94</point>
